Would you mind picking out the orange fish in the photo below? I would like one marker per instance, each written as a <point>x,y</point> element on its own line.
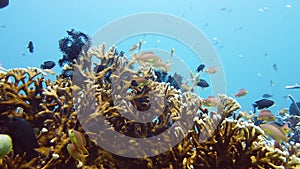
<point>211,101</point>
<point>285,129</point>
<point>266,115</point>
<point>211,70</point>
<point>241,92</point>
<point>274,132</point>
<point>165,67</point>
<point>147,56</point>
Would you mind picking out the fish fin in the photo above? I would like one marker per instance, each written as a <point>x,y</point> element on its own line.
<point>254,108</point>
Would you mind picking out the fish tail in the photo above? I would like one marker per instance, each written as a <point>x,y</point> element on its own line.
<point>294,102</point>
<point>254,108</point>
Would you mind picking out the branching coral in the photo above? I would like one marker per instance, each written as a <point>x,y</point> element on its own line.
<point>108,92</point>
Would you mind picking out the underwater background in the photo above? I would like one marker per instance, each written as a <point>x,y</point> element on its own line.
<point>256,41</point>
<point>251,37</point>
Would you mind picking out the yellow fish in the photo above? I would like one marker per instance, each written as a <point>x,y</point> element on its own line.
<point>140,81</point>
<point>283,111</point>
<point>78,140</point>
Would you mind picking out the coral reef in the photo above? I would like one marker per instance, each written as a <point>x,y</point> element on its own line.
<point>103,96</point>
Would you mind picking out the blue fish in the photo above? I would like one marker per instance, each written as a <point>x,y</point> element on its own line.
<point>266,95</point>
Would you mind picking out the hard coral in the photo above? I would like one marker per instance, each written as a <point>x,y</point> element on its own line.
<point>101,98</point>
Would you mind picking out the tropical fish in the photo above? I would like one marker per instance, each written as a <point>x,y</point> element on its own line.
<point>148,57</point>
<point>247,116</point>
<point>274,132</point>
<point>49,71</point>
<point>140,44</point>
<point>48,65</point>
<point>30,46</point>
<point>263,103</point>
<point>240,93</point>
<point>23,136</point>
<point>200,68</point>
<point>283,111</point>
<point>266,115</point>
<point>140,81</point>
<point>285,129</point>
<point>3,3</point>
<point>211,70</point>
<point>272,83</point>
<point>133,47</point>
<point>211,101</point>
<point>266,95</point>
<point>202,83</point>
<point>78,140</point>
<point>75,153</point>
<point>275,67</point>
<point>165,67</point>
<point>172,52</point>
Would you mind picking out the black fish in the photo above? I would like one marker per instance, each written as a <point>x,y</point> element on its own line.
<point>23,137</point>
<point>4,3</point>
<point>30,46</point>
<point>275,67</point>
<point>202,83</point>
<point>266,95</point>
<point>263,103</point>
<point>134,83</point>
<point>48,65</point>
<point>200,68</point>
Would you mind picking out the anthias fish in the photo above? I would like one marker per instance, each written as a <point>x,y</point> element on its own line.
<point>240,93</point>
<point>266,115</point>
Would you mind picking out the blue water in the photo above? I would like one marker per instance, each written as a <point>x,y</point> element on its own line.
<point>251,36</point>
